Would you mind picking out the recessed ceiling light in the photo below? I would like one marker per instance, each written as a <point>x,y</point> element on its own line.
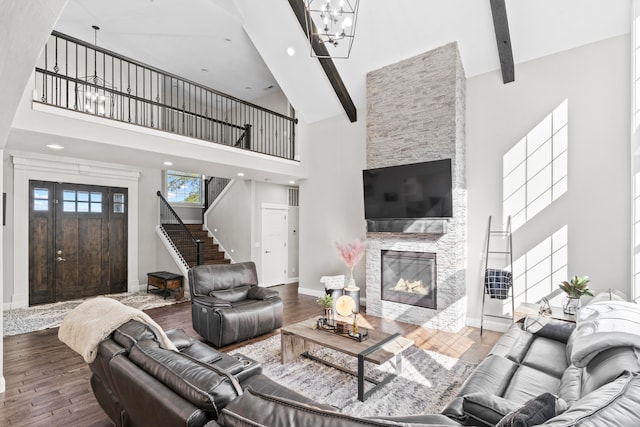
<point>204,70</point>
<point>228,40</point>
<point>168,164</point>
<point>292,182</point>
<point>291,51</point>
<point>240,174</point>
<point>268,87</point>
<point>247,87</point>
<point>55,146</point>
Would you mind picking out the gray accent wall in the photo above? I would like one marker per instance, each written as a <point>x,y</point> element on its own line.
<point>416,113</point>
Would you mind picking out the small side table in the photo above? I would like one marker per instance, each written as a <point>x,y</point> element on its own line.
<point>166,281</point>
<point>530,309</point>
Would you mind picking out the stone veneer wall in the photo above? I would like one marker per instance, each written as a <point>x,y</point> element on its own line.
<point>416,113</point>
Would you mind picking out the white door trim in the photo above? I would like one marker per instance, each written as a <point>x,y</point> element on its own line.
<point>75,171</point>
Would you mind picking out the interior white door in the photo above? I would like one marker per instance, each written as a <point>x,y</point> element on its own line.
<point>274,246</point>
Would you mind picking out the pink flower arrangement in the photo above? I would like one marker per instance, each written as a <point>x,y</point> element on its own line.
<point>352,252</point>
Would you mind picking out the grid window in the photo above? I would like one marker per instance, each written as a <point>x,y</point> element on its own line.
<point>40,199</point>
<point>183,187</point>
<point>81,201</point>
<point>118,203</point>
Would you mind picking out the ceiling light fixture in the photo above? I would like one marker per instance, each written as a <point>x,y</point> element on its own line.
<point>97,89</point>
<point>291,51</point>
<point>167,163</point>
<point>240,174</point>
<point>331,23</point>
<point>55,146</point>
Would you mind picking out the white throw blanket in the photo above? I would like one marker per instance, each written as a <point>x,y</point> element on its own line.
<point>603,325</point>
<point>93,321</point>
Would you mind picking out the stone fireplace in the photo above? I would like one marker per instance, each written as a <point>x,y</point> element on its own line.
<point>415,113</point>
<point>409,278</point>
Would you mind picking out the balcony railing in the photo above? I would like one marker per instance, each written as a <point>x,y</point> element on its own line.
<point>82,77</point>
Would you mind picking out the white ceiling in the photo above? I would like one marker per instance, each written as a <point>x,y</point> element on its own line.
<point>185,37</point>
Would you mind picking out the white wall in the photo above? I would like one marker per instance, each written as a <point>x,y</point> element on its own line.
<point>596,207</point>
<point>229,220</point>
<point>331,203</point>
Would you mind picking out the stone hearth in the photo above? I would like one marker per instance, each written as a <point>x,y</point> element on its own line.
<point>416,113</point>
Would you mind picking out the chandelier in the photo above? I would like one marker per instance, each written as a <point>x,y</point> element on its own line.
<point>96,96</point>
<point>331,23</point>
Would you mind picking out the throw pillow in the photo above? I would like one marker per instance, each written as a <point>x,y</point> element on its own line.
<point>535,411</point>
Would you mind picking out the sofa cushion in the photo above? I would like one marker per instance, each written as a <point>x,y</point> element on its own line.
<point>487,409</point>
<point>180,338</point>
<point>533,412</point>
<point>604,325</point>
<point>558,330</point>
<point>547,355</point>
<point>131,332</point>
<point>571,385</point>
<point>199,383</point>
<point>256,292</point>
<point>259,409</point>
<point>607,366</point>
<point>514,343</point>
<point>492,376</point>
<point>231,295</point>
<point>613,404</point>
<point>527,383</point>
<point>206,278</point>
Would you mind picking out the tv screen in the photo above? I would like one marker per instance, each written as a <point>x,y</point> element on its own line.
<point>418,190</point>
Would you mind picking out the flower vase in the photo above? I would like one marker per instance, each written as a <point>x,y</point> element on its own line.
<point>571,305</point>
<point>351,284</point>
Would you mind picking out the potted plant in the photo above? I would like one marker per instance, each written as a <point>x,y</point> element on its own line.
<point>326,301</point>
<point>576,288</point>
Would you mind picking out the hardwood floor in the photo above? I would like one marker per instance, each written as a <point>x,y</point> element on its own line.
<point>47,384</point>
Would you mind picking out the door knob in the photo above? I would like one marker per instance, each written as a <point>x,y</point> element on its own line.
<point>60,259</point>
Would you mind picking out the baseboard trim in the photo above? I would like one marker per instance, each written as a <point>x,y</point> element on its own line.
<point>496,325</point>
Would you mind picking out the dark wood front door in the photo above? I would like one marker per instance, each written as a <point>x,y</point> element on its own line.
<point>77,241</point>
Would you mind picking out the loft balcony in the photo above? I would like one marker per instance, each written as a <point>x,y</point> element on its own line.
<point>87,79</point>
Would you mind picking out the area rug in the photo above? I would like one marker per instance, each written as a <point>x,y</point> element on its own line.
<point>427,382</point>
<point>45,316</point>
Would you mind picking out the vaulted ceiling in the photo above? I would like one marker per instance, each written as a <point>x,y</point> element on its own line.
<point>240,46</point>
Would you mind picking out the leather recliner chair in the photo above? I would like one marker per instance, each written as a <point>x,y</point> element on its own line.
<point>228,306</point>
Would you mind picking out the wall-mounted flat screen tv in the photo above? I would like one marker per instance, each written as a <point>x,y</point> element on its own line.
<point>418,190</point>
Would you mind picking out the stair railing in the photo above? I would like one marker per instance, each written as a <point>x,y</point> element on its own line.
<point>213,187</point>
<point>88,79</point>
<point>191,249</point>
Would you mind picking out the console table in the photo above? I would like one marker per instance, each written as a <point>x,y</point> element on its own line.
<point>531,309</point>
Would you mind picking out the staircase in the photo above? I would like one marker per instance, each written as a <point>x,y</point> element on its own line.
<point>212,253</point>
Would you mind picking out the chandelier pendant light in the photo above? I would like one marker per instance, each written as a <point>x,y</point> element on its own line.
<point>96,97</point>
<point>332,24</point>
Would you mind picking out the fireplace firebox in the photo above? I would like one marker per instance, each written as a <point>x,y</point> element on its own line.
<point>409,278</point>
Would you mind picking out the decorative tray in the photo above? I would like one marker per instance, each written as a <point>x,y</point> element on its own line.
<point>343,329</point>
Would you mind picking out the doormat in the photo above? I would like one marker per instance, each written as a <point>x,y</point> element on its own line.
<point>46,316</point>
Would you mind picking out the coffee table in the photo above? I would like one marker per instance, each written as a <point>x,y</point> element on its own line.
<point>303,337</point>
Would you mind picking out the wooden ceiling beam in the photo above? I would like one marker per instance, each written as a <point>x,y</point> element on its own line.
<point>326,63</point>
<point>501,26</point>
